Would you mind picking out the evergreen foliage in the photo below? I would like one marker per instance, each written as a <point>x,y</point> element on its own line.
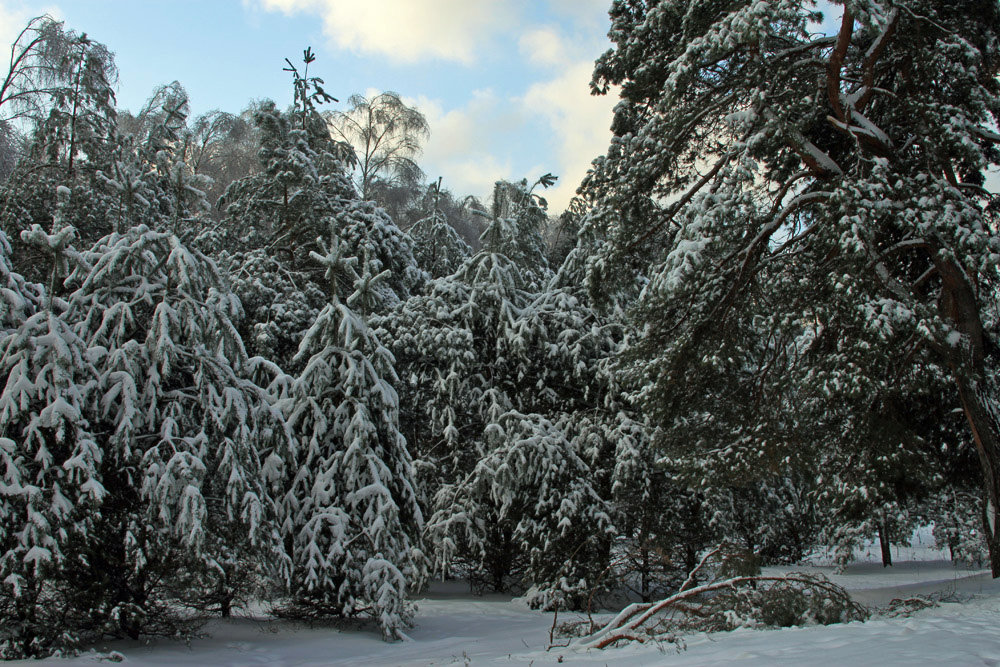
<point>437,247</point>
<point>507,414</point>
<point>51,489</point>
<point>350,511</point>
<point>193,444</point>
<point>809,211</point>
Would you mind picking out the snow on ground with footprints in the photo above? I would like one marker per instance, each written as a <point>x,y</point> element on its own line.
<point>455,628</point>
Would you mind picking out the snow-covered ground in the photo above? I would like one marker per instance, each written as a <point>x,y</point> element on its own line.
<point>454,628</point>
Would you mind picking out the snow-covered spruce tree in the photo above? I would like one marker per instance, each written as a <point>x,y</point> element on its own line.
<point>281,208</point>
<point>18,297</point>
<point>774,523</point>
<point>191,448</point>
<point>437,247</point>
<point>451,345</point>
<point>369,232</point>
<point>50,457</point>
<point>815,213</point>
<point>451,351</point>
<point>517,218</point>
<point>563,233</point>
<point>350,514</point>
<point>275,216</point>
<point>890,462</point>
<point>279,304</point>
<point>662,525</point>
<point>957,506</point>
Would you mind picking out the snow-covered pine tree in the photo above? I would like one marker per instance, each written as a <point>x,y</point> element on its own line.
<point>517,218</point>
<point>528,510</point>
<point>450,348</point>
<point>662,523</point>
<point>164,141</point>
<point>350,513</point>
<point>279,304</point>
<point>282,207</point>
<point>128,185</point>
<point>875,491</point>
<point>367,231</point>
<point>958,519</point>
<point>191,447</point>
<point>50,457</point>
<point>957,506</point>
<point>180,425</point>
<point>501,374</point>
<point>641,493</point>
<point>777,522</point>
<point>273,218</point>
<point>813,208</point>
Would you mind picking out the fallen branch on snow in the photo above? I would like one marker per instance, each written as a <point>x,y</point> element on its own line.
<point>727,604</point>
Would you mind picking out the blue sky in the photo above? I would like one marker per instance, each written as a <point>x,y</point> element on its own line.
<point>503,83</point>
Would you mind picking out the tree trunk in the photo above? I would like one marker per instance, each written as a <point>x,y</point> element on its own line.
<point>976,389</point>
<point>980,413</point>
<point>883,540</point>
<point>644,587</point>
<point>990,534</point>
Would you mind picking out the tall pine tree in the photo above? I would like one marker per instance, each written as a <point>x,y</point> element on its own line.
<point>812,212</point>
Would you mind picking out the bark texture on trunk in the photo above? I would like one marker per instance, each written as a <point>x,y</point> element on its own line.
<point>977,390</point>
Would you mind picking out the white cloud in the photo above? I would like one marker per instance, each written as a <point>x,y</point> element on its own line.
<point>579,121</point>
<point>469,146</point>
<point>406,30</point>
<point>459,148</point>
<point>545,47</point>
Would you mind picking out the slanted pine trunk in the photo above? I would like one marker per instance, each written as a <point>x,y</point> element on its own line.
<point>976,388</point>
<point>980,408</point>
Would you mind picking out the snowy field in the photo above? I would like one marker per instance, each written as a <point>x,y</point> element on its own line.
<point>454,628</point>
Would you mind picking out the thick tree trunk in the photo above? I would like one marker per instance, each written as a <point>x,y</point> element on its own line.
<point>980,413</point>
<point>976,389</point>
